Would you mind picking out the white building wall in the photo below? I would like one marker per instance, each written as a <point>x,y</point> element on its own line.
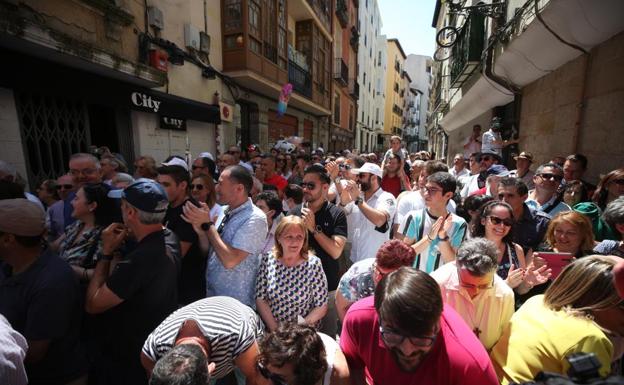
<point>416,66</point>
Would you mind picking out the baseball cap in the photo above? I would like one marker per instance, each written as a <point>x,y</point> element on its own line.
<point>21,217</point>
<point>498,169</point>
<point>525,155</point>
<point>175,161</point>
<point>370,168</point>
<point>206,155</point>
<point>144,194</point>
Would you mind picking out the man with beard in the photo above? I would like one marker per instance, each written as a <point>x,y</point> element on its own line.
<point>405,335</point>
<point>370,210</point>
<point>327,233</point>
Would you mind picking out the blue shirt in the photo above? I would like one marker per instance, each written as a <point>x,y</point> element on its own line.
<point>529,231</point>
<point>243,228</point>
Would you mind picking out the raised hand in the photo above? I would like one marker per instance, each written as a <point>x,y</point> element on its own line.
<point>537,275</point>
<point>514,276</point>
<point>196,215</point>
<point>332,169</point>
<point>112,237</point>
<point>308,219</point>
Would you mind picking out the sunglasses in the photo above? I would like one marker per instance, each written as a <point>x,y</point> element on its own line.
<point>344,167</point>
<point>497,221</point>
<point>266,373</point>
<point>64,186</point>
<point>308,185</point>
<point>198,187</point>
<point>554,177</point>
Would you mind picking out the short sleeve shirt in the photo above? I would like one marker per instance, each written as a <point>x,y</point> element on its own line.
<point>530,230</point>
<point>357,282</point>
<point>414,201</point>
<point>229,326</point>
<point>291,291</point>
<point>487,144</point>
<point>81,249</point>
<point>333,222</point>
<point>365,237</point>
<point>243,228</point>
<point>457,356</point>
<point>553,207</point>
<point>421,221</point>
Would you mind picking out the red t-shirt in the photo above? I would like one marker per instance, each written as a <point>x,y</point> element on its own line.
<point>277,181</point>
<point>392,184</point>
<point>456,358</point>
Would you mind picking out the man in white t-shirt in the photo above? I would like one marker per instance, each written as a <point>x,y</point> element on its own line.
<point>492,142</point>
<point>369,210</point>
<point>459,169</point>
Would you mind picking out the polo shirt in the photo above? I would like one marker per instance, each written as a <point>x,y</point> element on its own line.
<point>333,221</point>
<point>487,314</point>
<point>538,339</point>
<point>229,327</point>
<point>365,237</point>
<point>487,145</point>
<point>147,282</point>
<point>529,231</point>
<point>277,181</point>
<point>457,356</point>
<point>243,228</point>
<point>414,201</point>
<point>553,207</point>
<point>191,283</point>
<point>42,303</point>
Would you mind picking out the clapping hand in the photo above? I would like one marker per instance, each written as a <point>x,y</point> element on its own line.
<point>308,218</point>
<point>537,275</point>
<point>112,237</point>
<point>196,215</point>
<point>515,276</point>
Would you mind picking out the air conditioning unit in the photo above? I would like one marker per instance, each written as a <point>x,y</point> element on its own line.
<point>191,37</point>
<point>204,42</point>
<point>155,18</point>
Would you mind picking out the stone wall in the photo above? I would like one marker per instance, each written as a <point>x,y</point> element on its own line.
<point>549,110</point>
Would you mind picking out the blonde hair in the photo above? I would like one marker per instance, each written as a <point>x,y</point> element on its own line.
<point>284,224</point>
<point>580,221</point>
<point>584,286</point>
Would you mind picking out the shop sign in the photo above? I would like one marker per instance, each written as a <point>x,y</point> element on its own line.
<point>169,123</point>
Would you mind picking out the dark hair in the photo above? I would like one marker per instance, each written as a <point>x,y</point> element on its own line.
<point>433,166</point>
<point>211,199</point>
<point>295,192</point>
<point>107,210</point>
<point>306,158</point>
<point>555,166</point>
<point>50,187</point>
<point>395,253</point>
<point>272,200</point>
<point>241,175</point>
<point>210,165</point>
<point>444,180</point>
<point>10,190</point>
<point>602,194</point>
<point>358,161</point>
<point>472,203</point>
<point>318,170</point>
<point>185,364</point>
<point>297,344</point>
<point>477,229</point>
<point>177,173</point>
<point>409,300</point>
<point>578,158</point>
<point>510,181</point>
<point>583,190</point>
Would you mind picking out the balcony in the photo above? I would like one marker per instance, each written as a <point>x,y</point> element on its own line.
<point>341,72</point>
<point>466,53</point>
<point>355,38</point>
<point>300,79</point>
<point>301,10</point>
<point>354,89</point>
<point>342,13</point>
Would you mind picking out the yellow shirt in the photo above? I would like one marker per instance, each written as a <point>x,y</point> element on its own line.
<point>538,339</point>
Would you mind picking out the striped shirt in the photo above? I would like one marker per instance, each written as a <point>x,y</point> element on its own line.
<point>229,326</point>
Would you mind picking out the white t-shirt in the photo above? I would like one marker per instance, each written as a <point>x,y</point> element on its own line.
<point>464,171</point>
<point>365,239</point>
<point>331,347</point>
<point>487,145</point>
<point>488,313</point>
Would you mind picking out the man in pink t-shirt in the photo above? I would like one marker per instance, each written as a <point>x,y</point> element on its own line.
<point>405,335</point>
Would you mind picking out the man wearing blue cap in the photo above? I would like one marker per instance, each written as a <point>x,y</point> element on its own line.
<point>139,291</point>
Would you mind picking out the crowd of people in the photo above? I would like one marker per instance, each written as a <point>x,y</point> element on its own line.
<point>306,267</point>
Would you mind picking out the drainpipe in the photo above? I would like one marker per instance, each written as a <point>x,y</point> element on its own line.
<point>488,72</point>
<point>580,106</point>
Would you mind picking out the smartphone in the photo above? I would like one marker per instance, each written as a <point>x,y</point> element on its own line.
<point>556,261</point>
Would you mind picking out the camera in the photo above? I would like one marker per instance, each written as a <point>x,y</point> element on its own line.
<point>584,369</point>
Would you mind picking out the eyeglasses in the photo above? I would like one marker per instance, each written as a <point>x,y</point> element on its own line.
<point>64,186</point>
<point>85,171</point>
<point>344,167</point>
<point>554,177</point>
<point>392,338</point>
<point>471,286</point>
<point>266,373</point>
<point>308,185</point>
<point>198,187</point>
<point>431,190</point>
<point>507,222</point>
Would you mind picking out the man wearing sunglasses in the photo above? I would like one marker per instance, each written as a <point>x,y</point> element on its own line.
<point>56,226</point>
<point>477,181</point>
<point>471,286</point>
<point>404,334</point>
<point>545,196</point>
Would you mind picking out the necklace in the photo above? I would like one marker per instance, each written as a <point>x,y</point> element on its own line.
<point>475,325</point>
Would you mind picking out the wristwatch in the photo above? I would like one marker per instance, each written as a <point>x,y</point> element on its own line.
<point>358,201</point>
<point>317,230</point>
<point>206,225</point>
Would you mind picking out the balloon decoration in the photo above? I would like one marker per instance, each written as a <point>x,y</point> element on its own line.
<point>284,97</point>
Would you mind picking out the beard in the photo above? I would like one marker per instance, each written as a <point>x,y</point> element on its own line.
<point>365,186</point>
<point>408,363</point>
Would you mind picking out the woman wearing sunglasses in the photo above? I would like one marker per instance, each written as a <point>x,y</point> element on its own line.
<point>203,190</point>
<point>611,187</point>
<point>298,355</point>
<point>291,285</point>
<point>580,312</point>
<point>494,223</point>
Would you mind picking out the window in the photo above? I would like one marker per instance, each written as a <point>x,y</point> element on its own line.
<point>282,35</point>
<point>232,16</point>
<point>255,23</point>
<point>337,108</point>
<point>269,31</point>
